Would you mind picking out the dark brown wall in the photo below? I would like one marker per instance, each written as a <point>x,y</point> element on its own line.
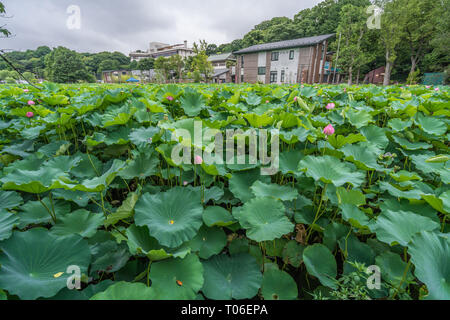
<point>251,67</point>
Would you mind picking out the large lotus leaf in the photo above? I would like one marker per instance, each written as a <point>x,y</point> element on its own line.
<point>284,193</point>
<point>430,254</point>
<point>33,212</point>
<point>393,268</point>
<point>338,141</point>
<point>217,216</point>
<point>172,217</point>
<point>404,205</point>
<point>400,226</point>
<point>240,183</point>
<point>231,277</point>
<point>406,144</point>
<point>9,200</point>
<point>398,125</point>
<point>407,194</point>
<point>278,285</point>
<point>358,118</point>
<point>354,216</point>
<point>142,137</point>
<point>89,166</point>
<point>332,233</point>
<point>177,279</point>
<point>126,291</point>
<point>353,196</point>
<point>32,262</point>
<point>192,102</point>
<point>295,135</point>
<point>79,197</point>
<point>208,242</point>
<point>364,156</point>
<point>140,242</point>
<point>355,251</point>
<point>289,161</point>
<point>99,184</point>
<point>320,263</point>
<point>107,254</point>
<point>264,219</point>
<point>375,136</point>
<point>143,166</point>
<point>81,222</point>
<point>125,211</point>
<point>329,169</point>
<point>431,125</point>
<point>7,223</point>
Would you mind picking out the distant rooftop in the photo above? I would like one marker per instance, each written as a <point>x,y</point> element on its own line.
<point>220,57</point>
<point>302,42</point>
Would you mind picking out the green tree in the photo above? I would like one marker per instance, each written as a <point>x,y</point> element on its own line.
<point>66,66</point>
<point>162,68</point>
<point>3,31</point>
<point>108,64</point>
<point>352,28</point>
<point>200,62</point>
<point>146,64</point>
<point>177,64</point>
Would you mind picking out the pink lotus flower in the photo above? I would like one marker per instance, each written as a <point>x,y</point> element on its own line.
<point>31,102</point>
<point>436,89</point>
<point>185,183</point>
<point>303,86</point>
<point>428,87</point>
<point>328,130</point>
<point>345,89</point>
<point>170,98</point>
<point>30,114</point>
<point>198,160</point>
<point>26,90</point>
<point>267,101</point>
<point>330,106</point>
<point>295,99</point>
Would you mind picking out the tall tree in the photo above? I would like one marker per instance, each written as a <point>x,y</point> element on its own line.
<point>200,63</point>
<point>391,34</point>
<point>146,64</point>
<point>352,27</point>
<point>3,31</point>
<point>66,66</point>
<point>177,65</point>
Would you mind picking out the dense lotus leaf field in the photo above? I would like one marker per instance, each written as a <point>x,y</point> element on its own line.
<point>92,198</point>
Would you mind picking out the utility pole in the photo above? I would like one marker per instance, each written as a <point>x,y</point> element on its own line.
<point>337,58</point>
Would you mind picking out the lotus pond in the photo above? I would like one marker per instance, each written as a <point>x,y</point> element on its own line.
<point>93,205</point>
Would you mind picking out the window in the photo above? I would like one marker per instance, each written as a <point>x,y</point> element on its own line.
<point>291,55</point>
<point>275,56</point>
<point>242,61</point>
<point>261,71</point>
<point>273,76</point>
<point>282,76</point>
<point>242,78</point>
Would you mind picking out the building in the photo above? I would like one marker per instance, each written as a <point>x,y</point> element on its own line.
<point>375,76</point>
<point>158,49</point>
<point>291,61</point>
<point>116,76</point>
<point>224,67</point>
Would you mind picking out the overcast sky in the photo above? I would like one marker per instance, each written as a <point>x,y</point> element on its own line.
<point>127,25</point>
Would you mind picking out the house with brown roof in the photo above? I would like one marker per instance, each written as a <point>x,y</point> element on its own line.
<point>224,67</point>
<point>291,61</point>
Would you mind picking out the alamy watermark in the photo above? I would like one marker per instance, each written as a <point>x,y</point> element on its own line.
<point>374,21</point>
<point>374,280</point>
<point>235,142</point>
<point>73,22</point>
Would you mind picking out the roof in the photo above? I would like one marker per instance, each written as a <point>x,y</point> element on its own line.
<point>219,72</point>
<point>220,57</point>
<point>302,42</point>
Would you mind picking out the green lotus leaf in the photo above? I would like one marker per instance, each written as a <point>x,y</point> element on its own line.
<point>142,137</point>
<point>126,291</point>
<point>241,182</point>
<point>320,263</point>
<point>439,158</point>
<point>81,222</point>
<point>32,262</point>
<point>278,285</point>
<point>332,233</point>
<point>295,135</point>
<point>99,184</point>
<point>400,226</point>
<point>338,141</point>
<point>358,118</point>
<point>34,212</point>
<point>430,252</point>
<point>435,202</point>
<point>7,223</point>
<point>407,194</point>
<point>140,242</point>
<point>208,242</point>
<point>84,294</point>
<point>217,216</point>
<point>143,166</point>
<point>173,217</point>
<point>226,277</point>
<point>353,196</point>
<point>257,121</point>
<point>355,251</point>
<point>293,253</point>
<point>328,169</point>
<point>192,102</point>
<point>284,193</point>
<point>403,175</point>
<point>177,279</point>
<point>3,295</point>
<point>405,144</point>
<point>398,125</point>
<point>125,211</point>
<point>375,136</point>
<point>354,216</point>
<point>9,200</point>
<point>264,219</point>
<point>393,268</point>
<point>79,197</point>
<point>289,161</point>
<point>431,125</point>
